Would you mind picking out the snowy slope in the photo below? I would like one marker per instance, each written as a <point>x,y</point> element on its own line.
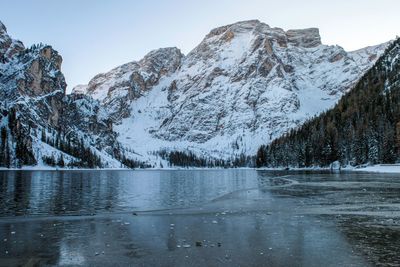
<point>33,101</point>
<point>242,86</point>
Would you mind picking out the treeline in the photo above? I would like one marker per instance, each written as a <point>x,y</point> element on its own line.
<point>5,155</point>
<point>16,147</point>
<point>190,159</point>
<point>133,164</point>
<point>86,158</point>
<point>14,143</point>
<point>363,128</point>
<point>120,155</point>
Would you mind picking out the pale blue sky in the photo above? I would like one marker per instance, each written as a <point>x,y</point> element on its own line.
<point>95,36</point>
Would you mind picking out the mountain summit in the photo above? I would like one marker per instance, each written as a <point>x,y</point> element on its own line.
<point>244,85</point>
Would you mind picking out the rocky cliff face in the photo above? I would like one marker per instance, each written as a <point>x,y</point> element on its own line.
<point>31,91</point>
<point>242,86</point>
<point>33,102</point>
<point>33,78</point>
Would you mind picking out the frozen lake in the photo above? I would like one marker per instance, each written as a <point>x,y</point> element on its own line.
<point>199,218</point>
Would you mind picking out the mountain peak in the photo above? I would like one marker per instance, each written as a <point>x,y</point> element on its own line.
<point>163,50</point>
<point>240,26</point>
<point>3,28</point>
<point>8,46</point>
<point>305,38</point>
<point>243,85</point>
<point>163,56</point>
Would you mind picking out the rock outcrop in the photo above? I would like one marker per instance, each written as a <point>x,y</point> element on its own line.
<point>8,46</point>
<point>304,38</point>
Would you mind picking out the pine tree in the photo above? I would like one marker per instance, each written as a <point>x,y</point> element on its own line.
<point>43,137</point>
<point>398,139</point>
<point>7,158</point>
<point>61,161</point>
<point>4,142</point>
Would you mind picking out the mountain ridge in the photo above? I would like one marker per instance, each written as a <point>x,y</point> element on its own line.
<point>269,63</point>
<point>244,85</point>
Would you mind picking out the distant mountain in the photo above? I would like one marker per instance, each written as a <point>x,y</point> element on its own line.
<point>363,128</point>
<point>244,85</point>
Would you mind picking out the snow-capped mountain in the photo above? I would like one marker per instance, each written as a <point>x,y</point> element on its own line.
<point>38,121</point>
<point>242,86</point>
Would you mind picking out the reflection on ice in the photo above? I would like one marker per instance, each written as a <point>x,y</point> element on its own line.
<point>70,255</point>
<point>93,192</point>
<point>199,218</point>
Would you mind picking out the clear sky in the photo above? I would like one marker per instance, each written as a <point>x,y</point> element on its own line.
<point>95,36</point>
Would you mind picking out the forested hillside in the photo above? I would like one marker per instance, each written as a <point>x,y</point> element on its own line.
<point>364,127</point>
